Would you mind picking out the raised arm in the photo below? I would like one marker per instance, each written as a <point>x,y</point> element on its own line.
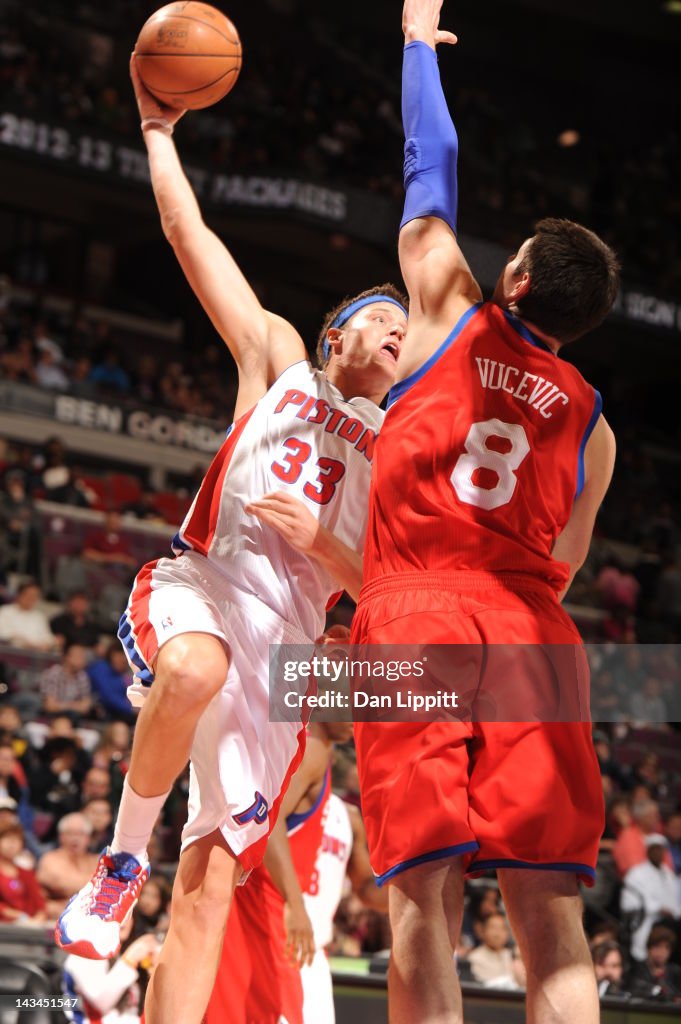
<point>440,283</point>
<point>572,545</point>
<point>262,344</point>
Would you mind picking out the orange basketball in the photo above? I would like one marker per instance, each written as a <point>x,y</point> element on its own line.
<point>188,55</point>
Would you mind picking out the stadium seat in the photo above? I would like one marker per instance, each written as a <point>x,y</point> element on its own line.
<point>123,489</point>
<point>23,979</point>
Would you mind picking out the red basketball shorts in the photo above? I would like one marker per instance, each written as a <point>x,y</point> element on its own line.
<point>501,794</point>
<point>255,981</point>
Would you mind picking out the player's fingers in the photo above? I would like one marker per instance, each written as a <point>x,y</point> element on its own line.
<point>445,37</point>
<point>269,502</point>
<point>338,632</point>
<point>272,519</point>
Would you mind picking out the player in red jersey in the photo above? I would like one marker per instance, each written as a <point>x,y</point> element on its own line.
<point>269,936</point>
<point>489,470</point>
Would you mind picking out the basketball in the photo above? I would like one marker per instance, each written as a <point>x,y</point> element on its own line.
<point>188,55</point>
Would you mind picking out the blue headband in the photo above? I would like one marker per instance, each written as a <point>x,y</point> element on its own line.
<point>354,307</point>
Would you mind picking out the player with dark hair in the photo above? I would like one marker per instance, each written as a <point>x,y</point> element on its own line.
<point>266,974</point>
<point>197,627</point>
<point>490,467</point>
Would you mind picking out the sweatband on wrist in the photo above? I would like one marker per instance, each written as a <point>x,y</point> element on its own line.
<point>431,145</point>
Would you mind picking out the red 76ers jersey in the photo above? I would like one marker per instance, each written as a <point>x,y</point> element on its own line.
<point>480,455</point>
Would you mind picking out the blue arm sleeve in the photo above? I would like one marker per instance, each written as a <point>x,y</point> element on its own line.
<point>431,145</point>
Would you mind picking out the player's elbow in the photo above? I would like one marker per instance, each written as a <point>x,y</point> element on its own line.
<point>416,237</point>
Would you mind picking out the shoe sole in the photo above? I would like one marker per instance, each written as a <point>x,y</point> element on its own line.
<point>84,948</point>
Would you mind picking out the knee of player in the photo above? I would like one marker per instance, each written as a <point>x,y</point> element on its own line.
<point>550,939</point>
<point>207,910</point>
<point>413,923</point>
<point>190,675</point>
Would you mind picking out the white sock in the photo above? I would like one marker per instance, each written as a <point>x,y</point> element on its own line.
<point>135,822</point>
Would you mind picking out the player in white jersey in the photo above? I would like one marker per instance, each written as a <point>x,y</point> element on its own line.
<point>343,851</point>
<point>199,626</point>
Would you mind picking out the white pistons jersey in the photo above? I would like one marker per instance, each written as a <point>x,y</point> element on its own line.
<point>305,438</point>
<point>325,890</point>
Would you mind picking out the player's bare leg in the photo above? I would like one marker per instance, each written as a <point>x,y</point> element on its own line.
<point>426,908</point>
<point>189,671</point>
<point>545,913</point>
<point>183,980</point>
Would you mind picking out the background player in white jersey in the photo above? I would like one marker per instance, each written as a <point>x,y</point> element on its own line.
<point>316,840</point>
<point>343,851</point>
<point>200,625</point>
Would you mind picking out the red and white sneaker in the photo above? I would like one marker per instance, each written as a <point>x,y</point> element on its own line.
<point>91,923</point>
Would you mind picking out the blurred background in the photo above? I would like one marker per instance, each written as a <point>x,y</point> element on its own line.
<point>115,391</point>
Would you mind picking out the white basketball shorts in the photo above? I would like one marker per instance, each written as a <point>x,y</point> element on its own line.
<point>318,1006</point>
<point>241,763</point>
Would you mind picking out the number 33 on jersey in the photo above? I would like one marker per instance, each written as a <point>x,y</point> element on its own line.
<point>480,457</point>
<point>303,437</point>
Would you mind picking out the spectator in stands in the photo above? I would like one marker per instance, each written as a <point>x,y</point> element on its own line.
<point>19,362</point>
<point>75,624</point>
<point>109,989</point>
<point>62,872</point>
<point>13,783</point>
<point>23,624</point>
<point>604,931</point>
<point>656,978</point>
<point>117,737</point>
<point>630,847</point>
<point>8,812</point>
<point>57,479</point>
<point>650,888</point>
<point>21,899</point>
<point>483,901</point>
<point>21,545</point>
<point>110,678</point>
<point>673,832</point>
<point>608,764</point>
<point>617,586</point>
<point>648,706</point>
<point>54,777</point>
<point>152,906</point>
<point>609,968</point>
<point>98,812</point>
<point>109,375</point>
<point>65,687</point>
<point>617,818</point>
<point>607,704</point>
<point>492,961</point>
<point>96,784</point>
<point>108,546</point>
<point>144,508</point>
<point>12,730</point>
<point>49,368</point>
<point>81,384</point>
<point>108,758</point>
<point>647,772</point>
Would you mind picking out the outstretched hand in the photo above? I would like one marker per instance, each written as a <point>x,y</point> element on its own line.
<point>421,19</point>
<point>147,104</point>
